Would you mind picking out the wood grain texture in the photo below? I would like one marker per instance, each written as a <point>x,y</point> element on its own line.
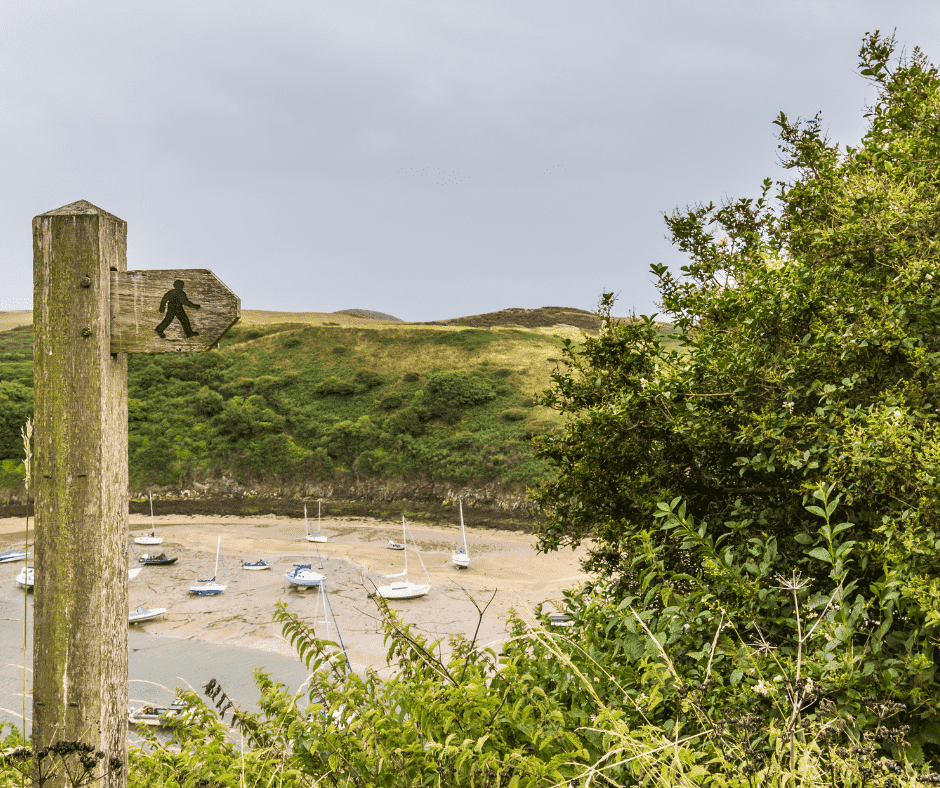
<point>80,485</point>
<point>194,316</point>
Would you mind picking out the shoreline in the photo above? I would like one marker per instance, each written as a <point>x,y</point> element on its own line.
<point>504,565</point>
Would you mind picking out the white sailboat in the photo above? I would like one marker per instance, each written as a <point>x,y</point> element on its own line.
<point>313,536</point>
<point>210,587</point>
<point>152,537</point>
<point>303,575</point>
<point>144,614</point>
<point>461,556</point>
<point>26,577</point>
<point>157,716</point>
<point>405,589</point>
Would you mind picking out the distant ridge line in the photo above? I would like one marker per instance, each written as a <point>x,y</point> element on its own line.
<point>368,313</point>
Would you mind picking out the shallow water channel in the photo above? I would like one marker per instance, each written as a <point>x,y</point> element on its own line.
<point>156,664</point>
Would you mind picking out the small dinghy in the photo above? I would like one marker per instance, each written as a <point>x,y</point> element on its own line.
<point>144,614</point>
<point>152,537</point>
<point>256,565</point>
<point>12,555</point>
<point>560,620</point>
<point>152,559</point>
<point>395,545</point>
<point>304,576</point>
<point>157,716</point>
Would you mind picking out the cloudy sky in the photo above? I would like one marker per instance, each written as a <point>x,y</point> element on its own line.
<point>425,158</point>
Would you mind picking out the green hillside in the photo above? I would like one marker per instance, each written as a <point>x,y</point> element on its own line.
<point>292,410</point>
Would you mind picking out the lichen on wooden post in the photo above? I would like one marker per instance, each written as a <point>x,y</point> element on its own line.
<point>80,483</point>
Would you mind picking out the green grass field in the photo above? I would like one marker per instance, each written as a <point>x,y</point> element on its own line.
<point>293,403</point>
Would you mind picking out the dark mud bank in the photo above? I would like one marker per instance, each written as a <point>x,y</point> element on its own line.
<point>429,511</point>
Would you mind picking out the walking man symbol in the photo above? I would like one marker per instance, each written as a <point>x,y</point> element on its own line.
<point>173,302</point>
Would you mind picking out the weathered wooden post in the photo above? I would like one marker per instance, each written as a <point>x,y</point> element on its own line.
<point>80,592</point>
<point>88,313</point>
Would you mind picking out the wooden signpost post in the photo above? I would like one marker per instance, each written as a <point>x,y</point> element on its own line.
<point>88,313</point>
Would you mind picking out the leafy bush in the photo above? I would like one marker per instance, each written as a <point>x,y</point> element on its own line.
<point>367,379</point>
<point>457,389</point>
<point>16,405</point>
<point>334,387</point>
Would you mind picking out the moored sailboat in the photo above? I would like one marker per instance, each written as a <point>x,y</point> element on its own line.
<point>152,537</point>
<point>210,587</point>
<point>461,556</point>
<point>314,536</point>
<point>405,589</point>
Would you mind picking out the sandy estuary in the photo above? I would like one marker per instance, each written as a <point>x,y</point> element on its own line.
<point>226,636</point>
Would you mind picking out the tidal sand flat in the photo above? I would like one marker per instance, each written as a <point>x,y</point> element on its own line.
<point>503,565</point>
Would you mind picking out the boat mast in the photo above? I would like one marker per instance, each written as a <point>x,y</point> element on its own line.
<point>463,530</point>
<point>217,548</point>
<point>419,556</point>
<point>150,495</point>
<point>404,541</point>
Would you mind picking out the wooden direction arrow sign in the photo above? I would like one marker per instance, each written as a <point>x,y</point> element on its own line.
<point>167,311</point>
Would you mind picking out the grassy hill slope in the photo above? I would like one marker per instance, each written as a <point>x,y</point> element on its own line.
<point>368,411</point>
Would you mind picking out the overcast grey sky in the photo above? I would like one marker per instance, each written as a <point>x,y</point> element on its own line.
<point>426,158</point>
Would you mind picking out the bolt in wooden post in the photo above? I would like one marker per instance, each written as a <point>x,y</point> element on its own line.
<point>80,482</point>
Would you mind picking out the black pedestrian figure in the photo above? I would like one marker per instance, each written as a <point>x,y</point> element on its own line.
<point>173,302</point>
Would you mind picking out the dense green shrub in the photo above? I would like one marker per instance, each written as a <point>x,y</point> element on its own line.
<point>457,389</point>
<point>334,387</point>
<point>16,405</point>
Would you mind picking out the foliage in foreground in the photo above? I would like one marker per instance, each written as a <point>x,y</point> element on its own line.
<point>747,677</point>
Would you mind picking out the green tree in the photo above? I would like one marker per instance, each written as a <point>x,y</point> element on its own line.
<point>800,375</point>
<point>805,348</point>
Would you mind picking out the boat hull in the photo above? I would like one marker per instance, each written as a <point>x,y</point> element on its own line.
<point>304,582</point>
<point>155,716</point>
<point>211,590</point>
<point>257,566</point>
<point>12,555</point>
<point>461,560</point>
<point>26,577</point>
<point>402,590</point>
<point>304,576</point>
<point>148,540</point>
<point>144,614</point>
<point>158,561</point>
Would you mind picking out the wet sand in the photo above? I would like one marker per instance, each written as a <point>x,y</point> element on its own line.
<point>355,558</point>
